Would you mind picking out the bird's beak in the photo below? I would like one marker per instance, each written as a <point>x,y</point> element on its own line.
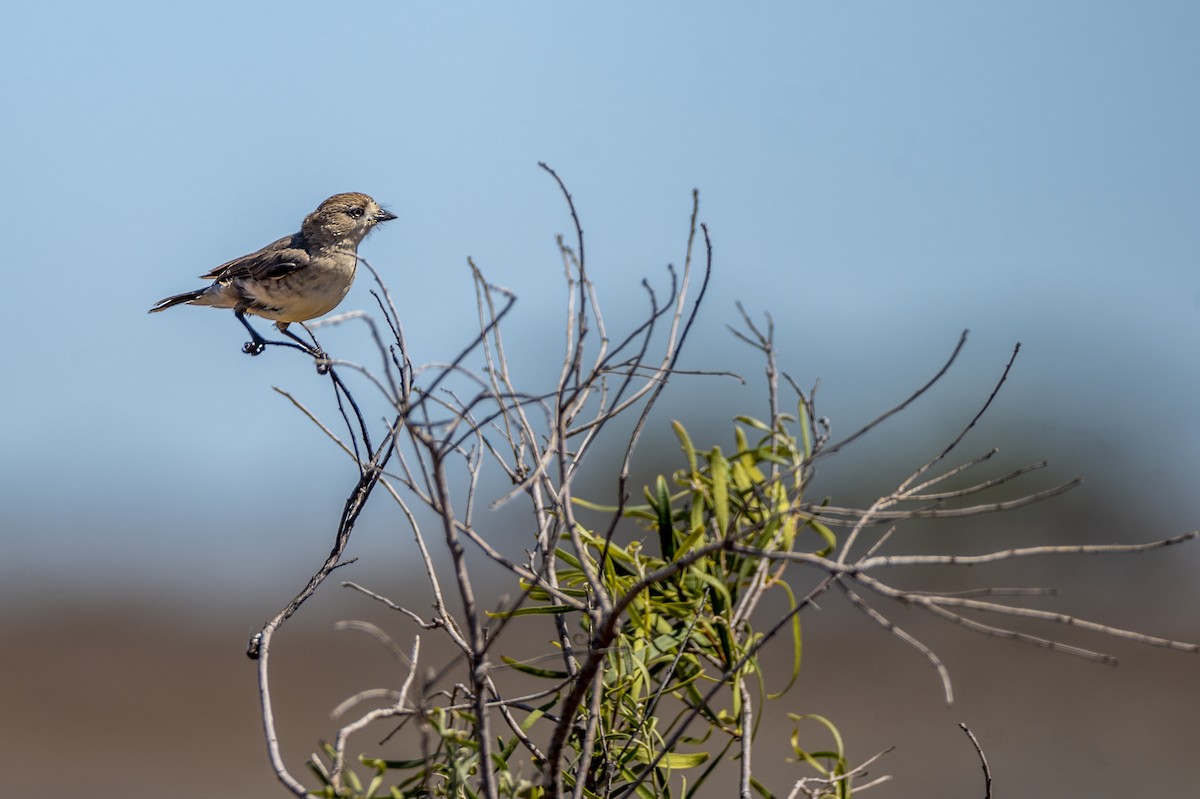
<point>384,216</point>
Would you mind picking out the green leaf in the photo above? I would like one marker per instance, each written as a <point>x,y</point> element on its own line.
<point>805,434</point>
<point>583,503</point>
<point>689,542</point>
<point>720,479</point>
<point>797,648</point>
<point>721,598</point>
<point>726,639</point>
<point>666,528</point>
<point>525,668</point>
<point>674,760</point>
<point>762,789</point>
<point>540,610</point>
<point>537,713</point>
<point>685,441</point>
<point>826,534</point>
<point>397,765</point>
<point>837,736</point>
<point>750,421</point>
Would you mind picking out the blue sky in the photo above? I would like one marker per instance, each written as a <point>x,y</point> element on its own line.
<point>879,176</point>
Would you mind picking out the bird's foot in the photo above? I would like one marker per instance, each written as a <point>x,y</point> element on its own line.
<point>323,364</point>
<point>253,347</point>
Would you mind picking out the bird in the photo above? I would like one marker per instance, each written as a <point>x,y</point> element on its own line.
<point>297,278</point>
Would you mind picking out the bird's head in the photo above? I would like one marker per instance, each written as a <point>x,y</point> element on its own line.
<point>343,220</point>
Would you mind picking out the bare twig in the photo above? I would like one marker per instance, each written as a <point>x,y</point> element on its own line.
<point>394,709</point>
<point>987,772</point>
<point>629,628</point>
<point>834,448</point>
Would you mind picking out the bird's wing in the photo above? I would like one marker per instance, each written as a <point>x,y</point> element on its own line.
<point>271,262</point>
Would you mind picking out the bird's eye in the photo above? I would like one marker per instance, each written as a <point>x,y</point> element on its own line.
<point>356,212</point>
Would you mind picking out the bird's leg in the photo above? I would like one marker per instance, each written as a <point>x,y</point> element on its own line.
<point>257,343</point>
<point>320,354</point>
<point>313,349</point>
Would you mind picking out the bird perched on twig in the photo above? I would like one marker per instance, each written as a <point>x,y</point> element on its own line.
<point>297,278</point>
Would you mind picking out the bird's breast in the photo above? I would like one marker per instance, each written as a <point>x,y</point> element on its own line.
<point>304,294</point>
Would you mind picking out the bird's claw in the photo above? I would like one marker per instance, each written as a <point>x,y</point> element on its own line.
<point>253,347</point>
<point>323,364</point>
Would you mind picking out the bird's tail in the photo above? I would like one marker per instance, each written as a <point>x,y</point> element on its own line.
<point>178,299</point>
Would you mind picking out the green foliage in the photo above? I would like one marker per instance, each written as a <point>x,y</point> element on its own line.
<point>653,675</point>
<point>684,644</point>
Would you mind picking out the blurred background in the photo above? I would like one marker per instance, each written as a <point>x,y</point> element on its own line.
<point>877,176</point>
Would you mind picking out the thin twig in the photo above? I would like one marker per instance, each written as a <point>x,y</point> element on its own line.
<point>987,772</point>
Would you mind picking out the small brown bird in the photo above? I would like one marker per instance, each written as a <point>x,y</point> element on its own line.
<point>297,278</point>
